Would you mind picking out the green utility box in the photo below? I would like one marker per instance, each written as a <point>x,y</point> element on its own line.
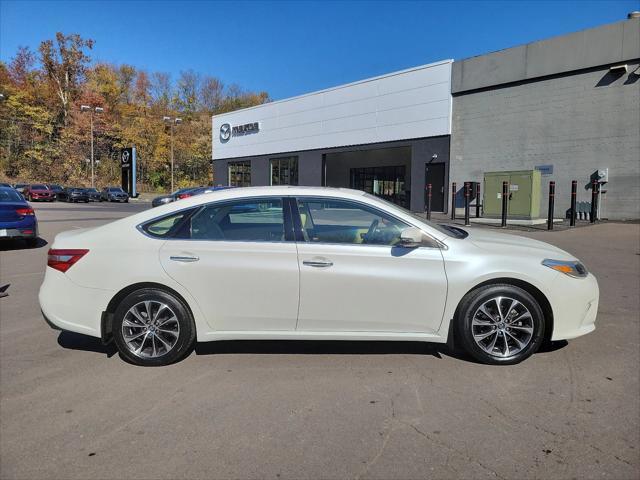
<point>524,193</point>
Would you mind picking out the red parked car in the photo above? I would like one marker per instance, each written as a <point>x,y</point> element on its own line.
<point>38,191</point>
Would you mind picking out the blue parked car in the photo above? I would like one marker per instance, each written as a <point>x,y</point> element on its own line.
<point>17,218</point>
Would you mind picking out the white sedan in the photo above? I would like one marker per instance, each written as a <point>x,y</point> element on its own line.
<point>314,264</point>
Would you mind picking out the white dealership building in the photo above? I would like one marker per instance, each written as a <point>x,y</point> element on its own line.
<point>382,135</point>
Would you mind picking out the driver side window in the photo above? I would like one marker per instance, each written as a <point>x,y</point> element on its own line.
<point>342,221</point>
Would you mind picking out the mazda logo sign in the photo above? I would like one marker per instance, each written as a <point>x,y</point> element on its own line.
<point>225,132</point>
<point>125,157</point>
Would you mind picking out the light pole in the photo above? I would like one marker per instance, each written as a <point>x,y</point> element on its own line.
<point>172,122</point>
<point>87,108</point>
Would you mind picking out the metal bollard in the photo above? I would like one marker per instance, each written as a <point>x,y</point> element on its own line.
<point>594,200</point>
<point>467,195</point>
<point>478,200</point>
<point>574,192</point>
<point>552,196</point>
<point>429,188</point>
<point>453,201</point>
<point>505,198</point>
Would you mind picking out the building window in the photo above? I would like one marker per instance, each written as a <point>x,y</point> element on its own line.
<point>385,182</point>
<point>240,174</point>
<point>284,171</point>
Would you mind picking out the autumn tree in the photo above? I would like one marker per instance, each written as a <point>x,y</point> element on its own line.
<point>44,136</point>
<point>65,64</point>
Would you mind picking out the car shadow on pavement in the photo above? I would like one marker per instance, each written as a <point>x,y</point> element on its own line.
<point>7,245</point>
<point>77,341</point>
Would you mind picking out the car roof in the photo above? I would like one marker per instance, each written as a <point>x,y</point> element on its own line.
<point>248,192</point>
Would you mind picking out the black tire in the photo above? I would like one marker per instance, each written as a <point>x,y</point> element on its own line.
<point>469,307</point>
<point>187,330</point>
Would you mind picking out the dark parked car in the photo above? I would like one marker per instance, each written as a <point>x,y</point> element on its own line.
<point>20,187</point>
<point>172,197</point>
<point>73,194</point>
<point>17,218</point>
<point>93,194</point>
<point>38,191</point>
<point>114,194</point>
<point>56,189</point>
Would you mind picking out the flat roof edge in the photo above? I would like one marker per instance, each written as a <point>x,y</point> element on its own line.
<point>338,87</point>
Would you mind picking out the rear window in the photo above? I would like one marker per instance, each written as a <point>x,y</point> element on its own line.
<point>10,195</point>
<point>39,187</point>
<point>167,226</point>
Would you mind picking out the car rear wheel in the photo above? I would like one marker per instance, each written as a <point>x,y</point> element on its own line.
<point>500,324</point>
<point>152,328</point>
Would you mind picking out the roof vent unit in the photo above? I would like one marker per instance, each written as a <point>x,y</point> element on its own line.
<point>634,14</point>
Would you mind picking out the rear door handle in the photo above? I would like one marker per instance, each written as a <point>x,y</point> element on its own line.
<point>317,263</point>
<point>185,259</point>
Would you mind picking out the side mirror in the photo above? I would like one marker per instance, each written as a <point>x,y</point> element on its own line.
<point>411,237</point>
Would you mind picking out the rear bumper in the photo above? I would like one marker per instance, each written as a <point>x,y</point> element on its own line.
<point>25,228</point>
<point>31,232</point>
<point>68,306</point>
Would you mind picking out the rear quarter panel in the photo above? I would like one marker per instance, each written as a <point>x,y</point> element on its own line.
<point>120,256</point>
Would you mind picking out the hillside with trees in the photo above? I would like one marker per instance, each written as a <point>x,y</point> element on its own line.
<point>45,137</point>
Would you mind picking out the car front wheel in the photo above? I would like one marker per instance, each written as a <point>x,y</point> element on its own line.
<point>152,328</point>
<point>500,324</point>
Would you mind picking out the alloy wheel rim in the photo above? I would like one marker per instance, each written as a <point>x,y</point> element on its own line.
<point>502,327</point>
<point>150,329</point>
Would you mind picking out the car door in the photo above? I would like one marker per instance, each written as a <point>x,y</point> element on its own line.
<point>236,260</point>
<point>354,276</point>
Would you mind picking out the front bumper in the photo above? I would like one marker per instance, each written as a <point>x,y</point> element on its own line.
<point>575,306</point>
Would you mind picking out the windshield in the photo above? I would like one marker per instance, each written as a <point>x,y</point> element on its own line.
<point>447,230</point>
<point>39,187</point>
<point>117,190</point>
<point>92,190</point>
<point>10,195</point>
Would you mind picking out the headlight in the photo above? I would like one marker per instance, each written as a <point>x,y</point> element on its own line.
<point>572,268</point>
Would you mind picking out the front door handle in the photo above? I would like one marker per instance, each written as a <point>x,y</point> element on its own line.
<point>317,263</point>
<point>185,259</point>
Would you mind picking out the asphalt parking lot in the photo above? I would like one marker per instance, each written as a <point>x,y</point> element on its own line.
<point>71,408</point>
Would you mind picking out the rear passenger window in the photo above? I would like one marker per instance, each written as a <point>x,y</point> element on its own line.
<point>166,227</point>
<point>251,220</point>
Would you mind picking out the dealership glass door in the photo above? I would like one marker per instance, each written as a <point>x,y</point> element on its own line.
<point>384,182</point>
<point>284,171</point>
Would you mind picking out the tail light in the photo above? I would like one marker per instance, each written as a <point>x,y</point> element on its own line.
<point>183,195</point>
<point>23,212</point>
<point>63,260</point>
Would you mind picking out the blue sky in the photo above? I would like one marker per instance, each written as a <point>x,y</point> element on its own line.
<point>290,48</point>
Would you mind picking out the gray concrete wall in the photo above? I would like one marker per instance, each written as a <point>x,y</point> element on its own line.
<point>578,122</point>
<point>594,47</point>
